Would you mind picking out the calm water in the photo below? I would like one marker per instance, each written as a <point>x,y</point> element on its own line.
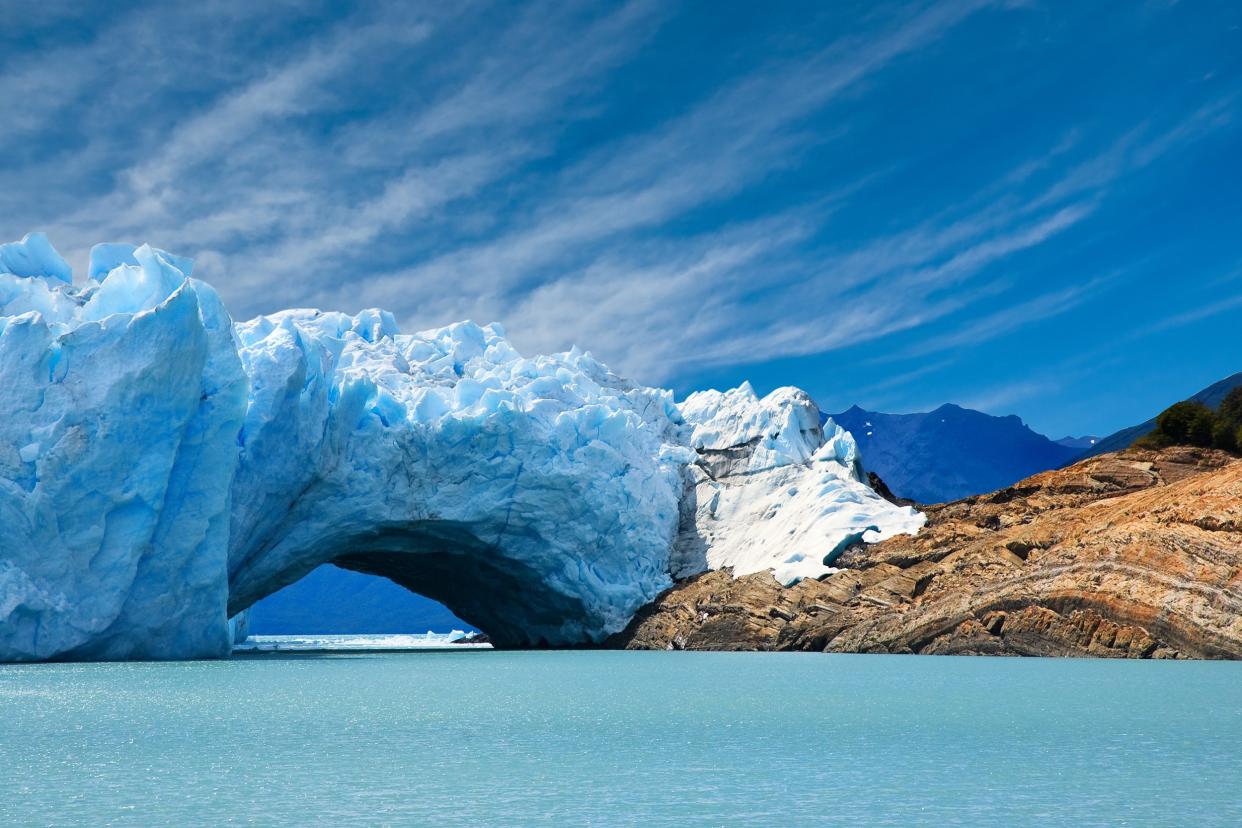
<point>594,738</point>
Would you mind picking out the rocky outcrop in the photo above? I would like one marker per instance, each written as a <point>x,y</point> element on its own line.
<point>1129,555</point>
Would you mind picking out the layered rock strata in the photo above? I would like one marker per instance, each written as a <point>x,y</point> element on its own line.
<point>1129,555</point>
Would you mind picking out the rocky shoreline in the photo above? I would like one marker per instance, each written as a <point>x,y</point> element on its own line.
<point>1136,554</point>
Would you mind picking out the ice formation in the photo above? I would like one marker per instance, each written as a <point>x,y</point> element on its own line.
<point>774,489</point>
<point>537,498</point>
<point>359,643</point>
<point>123,400</point>
<point>162,468</point>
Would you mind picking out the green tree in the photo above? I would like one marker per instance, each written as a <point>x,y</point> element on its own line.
<point>1230,410</point>
<point>1182,424</point>
<point>1225,434</point>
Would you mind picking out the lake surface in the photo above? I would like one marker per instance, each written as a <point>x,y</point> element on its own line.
<point>608,738</point>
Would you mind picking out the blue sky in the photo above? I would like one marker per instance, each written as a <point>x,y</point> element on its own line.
<point>1030,208</point>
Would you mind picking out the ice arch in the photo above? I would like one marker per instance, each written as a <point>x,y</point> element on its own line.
<point>536,498</point>
<point>162,468</point>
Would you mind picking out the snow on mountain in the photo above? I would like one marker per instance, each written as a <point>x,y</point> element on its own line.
<point>161,469</point>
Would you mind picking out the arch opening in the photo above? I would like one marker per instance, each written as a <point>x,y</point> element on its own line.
<point>331,600</point>
<point>507,599</point>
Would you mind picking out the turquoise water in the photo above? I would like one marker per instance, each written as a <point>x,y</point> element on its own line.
<point>604,738</point>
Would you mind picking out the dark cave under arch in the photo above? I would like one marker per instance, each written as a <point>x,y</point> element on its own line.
<point>507,599</point>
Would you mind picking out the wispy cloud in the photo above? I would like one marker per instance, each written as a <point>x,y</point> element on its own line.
<point>581,174</point>
<point>1008,320</point>
<point>1000,400</point>
<point>283,198</point>
<point>588,242</point>
<point>874,395</point>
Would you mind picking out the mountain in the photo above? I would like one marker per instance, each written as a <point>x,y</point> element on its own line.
<point>1210,396</point>
<point>1084,442</point>
<point>335,600</point>
<point>949,453</point>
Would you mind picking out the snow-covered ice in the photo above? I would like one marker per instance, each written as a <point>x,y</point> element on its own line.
<point>162,468</point>
<point>776,490</point>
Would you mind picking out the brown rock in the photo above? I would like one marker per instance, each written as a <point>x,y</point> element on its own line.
<point>1130,555</point>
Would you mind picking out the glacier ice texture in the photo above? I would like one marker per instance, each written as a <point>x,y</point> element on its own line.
<point>162,468</point>
<point>773,489</point>
<point>123,400</point>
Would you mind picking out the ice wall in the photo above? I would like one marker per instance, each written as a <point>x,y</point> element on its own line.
<point>117,447</point>
<point>537,497</point>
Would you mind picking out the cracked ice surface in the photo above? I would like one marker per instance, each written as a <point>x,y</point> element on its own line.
<point>539,495</point>
<point>117,449</point>
<point>162,468</point>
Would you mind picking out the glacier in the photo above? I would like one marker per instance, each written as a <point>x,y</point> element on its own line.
<point>162,468</point>
<point>773,489</point>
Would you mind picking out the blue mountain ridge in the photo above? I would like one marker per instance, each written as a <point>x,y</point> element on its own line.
<point>1084,442</point>
<point>339,601</point>
<point>951,452</point>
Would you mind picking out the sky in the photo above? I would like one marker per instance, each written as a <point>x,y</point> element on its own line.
<point>1022,207</point>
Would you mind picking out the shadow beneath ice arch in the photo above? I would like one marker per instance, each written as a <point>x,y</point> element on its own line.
<point>511,601</point>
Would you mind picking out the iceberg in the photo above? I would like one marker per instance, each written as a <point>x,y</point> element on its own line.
<point>537,498</point>
<point>163,468</point>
